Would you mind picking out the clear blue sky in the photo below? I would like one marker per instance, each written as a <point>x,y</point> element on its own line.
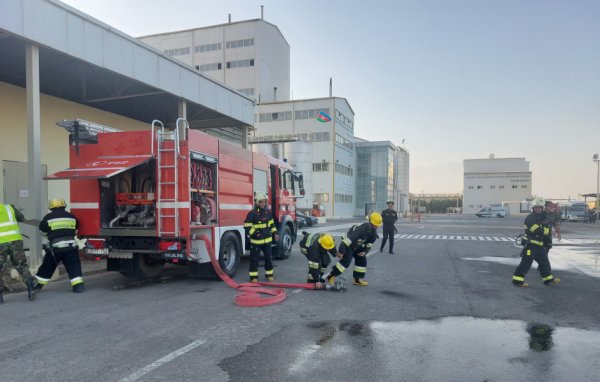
<point>458,79</point>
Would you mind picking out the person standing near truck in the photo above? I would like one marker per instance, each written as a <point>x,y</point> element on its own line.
<point>260,227</point>
<point>390,216</point>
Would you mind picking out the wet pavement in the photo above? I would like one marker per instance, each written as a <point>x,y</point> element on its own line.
<point>446,349</point>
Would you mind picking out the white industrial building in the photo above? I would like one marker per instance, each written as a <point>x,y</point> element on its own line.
<point>505,181</point>
<point>322,150</point>
<point>251,56</point>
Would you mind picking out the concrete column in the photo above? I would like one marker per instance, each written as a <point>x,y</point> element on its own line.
<point>245,137</point>
<point>182,109</point>
<point>34,162</point>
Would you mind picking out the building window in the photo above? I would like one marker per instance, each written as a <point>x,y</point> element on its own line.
<point>247,91</point>
<point>523,186</point>
<point>239,43</point>
<point>514,186</point>
<point>344,142</point>
<point>207,47</point>
<point>324,197</point>
<point>492,187</point>
<point>209,67</point>
<point>471,187</point>
<point>270,117</point>
<point>343,169</point>
<point>342,198</point>
<point>309,113</point>
<point>500,186</point>
<point>240,63</point>
<point>479,187</point>
<point>177,52</point>
<point>323,166</point>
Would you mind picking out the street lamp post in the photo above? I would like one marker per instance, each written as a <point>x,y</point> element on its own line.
<point>597,160</point>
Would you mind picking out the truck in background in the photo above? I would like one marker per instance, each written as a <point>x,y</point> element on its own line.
<point>143,198</point>
<point>493,210</point>
<point>573,211</point>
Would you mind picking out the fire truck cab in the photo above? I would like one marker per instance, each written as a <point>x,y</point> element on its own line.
<point>143,198</point>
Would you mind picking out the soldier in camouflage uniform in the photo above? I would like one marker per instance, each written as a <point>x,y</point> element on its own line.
<point>11,250</point>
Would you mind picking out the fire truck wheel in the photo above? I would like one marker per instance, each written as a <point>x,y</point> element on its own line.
<point>229,253</point>
<point>283,249</point>
<point>146,267</point>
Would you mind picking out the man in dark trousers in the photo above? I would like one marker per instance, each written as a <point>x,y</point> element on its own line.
<point>60,226</point>
<point>537,236</point>
<point>317,247</point>
<point>261,229</point>
<point>356,244</point>
<point>11,249</point>
<point>390,216</point>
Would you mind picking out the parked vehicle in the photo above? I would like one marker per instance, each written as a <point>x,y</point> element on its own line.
<point>573,211</point>
<point>493,211</point>
<point>307,221</point>
<point>143,198</point>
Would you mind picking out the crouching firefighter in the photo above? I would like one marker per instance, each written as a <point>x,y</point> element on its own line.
<point>317,247</point>
<point>356,244</point>
<point>261,229</point>
<point>60,227</point>
<point>11,250</point>
<point>537,240</point>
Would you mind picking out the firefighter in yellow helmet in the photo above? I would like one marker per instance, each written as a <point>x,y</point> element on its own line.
<point>60,227</point>
<point>537,234</point>
<point>260,227</point>
<point>357,244</point>
<point>317,247</point>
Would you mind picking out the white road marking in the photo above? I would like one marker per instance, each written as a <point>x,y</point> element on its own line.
<point>156,364</point>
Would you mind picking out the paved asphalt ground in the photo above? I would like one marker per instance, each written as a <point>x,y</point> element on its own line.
<point>441,309</point>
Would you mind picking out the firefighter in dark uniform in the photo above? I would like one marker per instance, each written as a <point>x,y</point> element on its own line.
<point>537,238</point>
<point>356,244</point>
<point>390,216</point>
<point>317,247</point>
<point>60,227</point>
<point>260,227</point>
<point>11,249</point>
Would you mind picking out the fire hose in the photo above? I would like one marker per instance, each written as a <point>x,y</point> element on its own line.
<point>252,293</point>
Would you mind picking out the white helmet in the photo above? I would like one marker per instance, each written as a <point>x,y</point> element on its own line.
<point>260,196</point>
<point>538,202</point>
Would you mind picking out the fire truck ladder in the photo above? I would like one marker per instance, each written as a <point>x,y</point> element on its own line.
<point>167,159</point>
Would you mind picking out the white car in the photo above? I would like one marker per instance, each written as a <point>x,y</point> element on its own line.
<point>493,211</point>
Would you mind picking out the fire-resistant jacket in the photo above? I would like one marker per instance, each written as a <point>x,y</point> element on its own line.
<point>260,226</point>
<point>61,228</point>
<point>389,217</point>
<point>317,256</point>
<point>536,231</point>
<point>9,229</point>
<point>359,237</point>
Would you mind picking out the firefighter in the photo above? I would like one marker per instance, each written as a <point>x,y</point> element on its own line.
<point>390,216</point>
<point>537,235</point>
<point>261,229</point>
<point>317,247</point>
<point>11,250</point>
<point>356,244</point>
<point>60,227</point>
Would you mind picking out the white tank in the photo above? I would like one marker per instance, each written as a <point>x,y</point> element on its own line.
<point>299,155</point>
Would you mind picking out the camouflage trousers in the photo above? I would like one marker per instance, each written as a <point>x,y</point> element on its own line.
<point>12,254</point>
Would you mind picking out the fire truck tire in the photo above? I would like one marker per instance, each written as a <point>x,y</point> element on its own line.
<point>145,267</point>
<point>230,252</point>
<point>283,249</point>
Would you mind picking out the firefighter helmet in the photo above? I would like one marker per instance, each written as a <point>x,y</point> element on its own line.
<point>260,196</point>
<point>56,203</point>
<point>538,202</point>
<point>375,219</point>
<point>327,241</point>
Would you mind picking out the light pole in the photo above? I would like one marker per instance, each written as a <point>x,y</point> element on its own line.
<point>597,160</point>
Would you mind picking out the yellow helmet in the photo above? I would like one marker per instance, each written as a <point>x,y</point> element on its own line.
<point>260,196</point>
<point>375,219</point>
<point>327,241</point>
<point>56,203</point>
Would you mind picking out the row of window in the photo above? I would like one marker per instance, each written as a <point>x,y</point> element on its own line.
<point>324,166</point>
<point>287,115</point>
<point>247,91</point>
<point>208,67</point>
<point>309,113</point>
<point>229,64</point>
<point>240,63</point>
<point>177,52</point>
<point>323,197</point>
<point>493,187</point>
<point>304,137</point>
<point>342,198</point>
<point>344,142</point>
<point>343,119</point>
<point>239,43</point>
<point>207,47</point>
<point>345,170</point>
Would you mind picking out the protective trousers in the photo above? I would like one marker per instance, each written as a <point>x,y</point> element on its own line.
<point>540,255</point>
<point>12,254</point>
<point>388,232</point>
<point>255,251</point>
<point>70,259</point>
<point>360,264</point>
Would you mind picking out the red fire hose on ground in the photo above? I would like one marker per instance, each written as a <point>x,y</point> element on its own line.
<point>253,294</point>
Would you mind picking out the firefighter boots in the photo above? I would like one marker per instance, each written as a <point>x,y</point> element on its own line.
<point>554,281</point>
<point>360,282</point>
<point>31,291</point>
<point>270,278</point>
<point>523,285</point>
<point>253,280</point>
<point>331,280</point>
<point>78,288</point>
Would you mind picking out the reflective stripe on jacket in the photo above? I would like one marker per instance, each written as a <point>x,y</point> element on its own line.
<point>9,228</point>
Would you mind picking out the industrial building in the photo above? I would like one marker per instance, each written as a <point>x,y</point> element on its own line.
<point>504,181</point>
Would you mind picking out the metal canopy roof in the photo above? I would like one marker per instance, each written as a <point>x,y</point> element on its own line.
<point>88,62</point>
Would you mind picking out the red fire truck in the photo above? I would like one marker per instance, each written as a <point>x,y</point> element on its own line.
<point>143,198</point>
